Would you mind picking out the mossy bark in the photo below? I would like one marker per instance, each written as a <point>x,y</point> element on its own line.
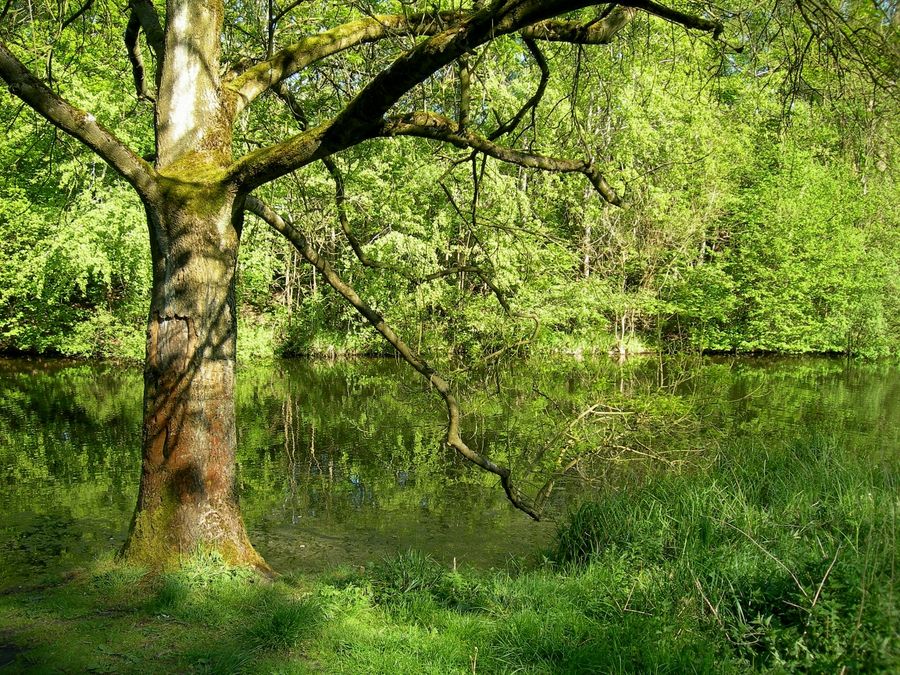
<point>187,497</point>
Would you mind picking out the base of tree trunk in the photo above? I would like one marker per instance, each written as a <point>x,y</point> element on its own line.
<point>167,536</point>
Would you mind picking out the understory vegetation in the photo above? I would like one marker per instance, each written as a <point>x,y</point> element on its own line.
<point>784,560</point>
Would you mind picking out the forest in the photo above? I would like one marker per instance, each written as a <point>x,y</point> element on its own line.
<point>454,336</point>
<point>759,208</point>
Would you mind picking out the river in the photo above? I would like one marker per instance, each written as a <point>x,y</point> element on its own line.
<point>343,463</point>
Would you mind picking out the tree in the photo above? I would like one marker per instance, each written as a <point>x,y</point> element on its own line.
<point>195,189</point>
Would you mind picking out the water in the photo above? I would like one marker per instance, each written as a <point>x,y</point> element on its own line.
<point>344,463</point>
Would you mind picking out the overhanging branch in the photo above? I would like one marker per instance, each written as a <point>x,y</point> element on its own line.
<point>76,123</point>
<point>294,58</point>
<point>454,440</point>
<point>362,116</point>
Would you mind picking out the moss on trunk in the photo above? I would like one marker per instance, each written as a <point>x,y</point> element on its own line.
<point>187,499</point>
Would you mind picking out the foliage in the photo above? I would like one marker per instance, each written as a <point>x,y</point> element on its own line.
<point>759,208</point>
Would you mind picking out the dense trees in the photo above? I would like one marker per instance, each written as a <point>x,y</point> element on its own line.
<point>245,98</point>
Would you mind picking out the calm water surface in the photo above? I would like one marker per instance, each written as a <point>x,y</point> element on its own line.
<point>343,462</point>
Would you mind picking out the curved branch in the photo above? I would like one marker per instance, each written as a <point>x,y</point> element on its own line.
<point>294,58</point>
<point>133,45</point>
<point>76,123</point>
<point>363,116</point>
<point>439,128</point>
<point>532,102</point>
<point>150,24</point>
<point>454,440</point>
<point>340,197</point>
<point>79,13</point>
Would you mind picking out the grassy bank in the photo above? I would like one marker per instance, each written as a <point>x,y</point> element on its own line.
<point>771,560</point>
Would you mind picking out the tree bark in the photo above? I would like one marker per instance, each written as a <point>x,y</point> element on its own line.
<point>187,500</point>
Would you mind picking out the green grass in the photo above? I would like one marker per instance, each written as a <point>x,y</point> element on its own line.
<point>773,560</point>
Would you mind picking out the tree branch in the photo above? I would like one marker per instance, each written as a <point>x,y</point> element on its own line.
<point>76,123</point>
<point>590,33</point>
<point>294,58</point>
<point>339,198</point>
<point>362,116</point>
<point>675,16</point>
<point>453,438</point>
<point>532,102</point>
<point>439,128</point>
<point>72,19</point>
<point>150,24</point>
<point>133,45</point>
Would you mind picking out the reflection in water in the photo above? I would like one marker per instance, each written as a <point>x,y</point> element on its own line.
<point>344,463</point>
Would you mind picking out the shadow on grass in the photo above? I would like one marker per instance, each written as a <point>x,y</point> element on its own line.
<point>113,618</point>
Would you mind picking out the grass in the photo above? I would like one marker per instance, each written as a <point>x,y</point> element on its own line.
<point>773,560</point>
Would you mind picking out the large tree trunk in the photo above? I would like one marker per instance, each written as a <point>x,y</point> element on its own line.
<point>187,499</point>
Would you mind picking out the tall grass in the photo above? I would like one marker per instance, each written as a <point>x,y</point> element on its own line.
<point>786,555</point>
<point>779,558</point>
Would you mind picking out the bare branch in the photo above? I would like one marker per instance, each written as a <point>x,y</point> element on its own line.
<point>133,45</point>
<point>439,128</point>
<point>150,24</point>
<point>454,439</point>
<point>72,19</point>
<point>76,123</point>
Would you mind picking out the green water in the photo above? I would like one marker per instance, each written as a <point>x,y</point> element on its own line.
<point>343,462</point>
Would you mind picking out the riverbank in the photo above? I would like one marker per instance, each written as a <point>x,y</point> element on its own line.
<point>778,558</point>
